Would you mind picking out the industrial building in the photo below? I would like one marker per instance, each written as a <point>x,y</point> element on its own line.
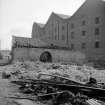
<point>81,35</point>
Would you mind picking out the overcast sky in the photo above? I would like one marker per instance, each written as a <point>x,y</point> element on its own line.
<point>17,16</point>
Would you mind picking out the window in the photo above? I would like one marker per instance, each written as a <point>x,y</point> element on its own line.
<point>72,35</point>
<point>63,27</point>
<point>97,44</point>
<point>97,20</point>
<point>83,22</point>
<point>72,46</point>
<point>49,33</point>
<point>55,30</point>
<point>97,31</point>
<point>44,32</point>
<point>83,33</point>
<point>51,44</point>
<point>52,36</point>
<point>63,37</point>
<point>72,25</point>
<point>55,37</point>
<point>49,37</point>
<point>83,45</point>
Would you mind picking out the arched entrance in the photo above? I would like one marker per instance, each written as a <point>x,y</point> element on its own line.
<point>46,57</point>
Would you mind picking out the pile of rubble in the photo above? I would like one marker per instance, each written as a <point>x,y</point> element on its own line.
<point>56,84</point>
<point>74,72</point>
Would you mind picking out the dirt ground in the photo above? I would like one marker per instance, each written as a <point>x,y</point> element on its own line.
<point>7,90</point>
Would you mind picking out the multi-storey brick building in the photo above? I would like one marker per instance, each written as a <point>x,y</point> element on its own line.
<point>84,31</point>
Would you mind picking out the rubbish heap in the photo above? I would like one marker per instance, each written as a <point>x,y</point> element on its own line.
<point>58,84</point>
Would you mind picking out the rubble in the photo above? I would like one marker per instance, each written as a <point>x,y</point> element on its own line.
<point>6,75</point>
<point>94,102</point>
<point>26,76</point>
<point>46,89</point>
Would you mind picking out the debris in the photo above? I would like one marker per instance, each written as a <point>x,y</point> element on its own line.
<point>6,75</point>
<point>24,102</point>
<point>60,84</point>
<point>95,102</point>
<point>26,98</point>
<point>51,85</point>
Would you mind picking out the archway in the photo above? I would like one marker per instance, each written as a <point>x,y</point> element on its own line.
<point>46,57</point>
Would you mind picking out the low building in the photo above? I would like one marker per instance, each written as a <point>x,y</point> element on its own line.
<point>5,54</point>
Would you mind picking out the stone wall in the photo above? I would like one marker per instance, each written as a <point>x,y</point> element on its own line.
<point>57,55</point>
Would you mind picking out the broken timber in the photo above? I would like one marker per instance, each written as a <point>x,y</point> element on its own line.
<point>68,84</point>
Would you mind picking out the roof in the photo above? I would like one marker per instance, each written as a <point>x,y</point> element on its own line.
<point>63,16</point>
<point>40,25</point>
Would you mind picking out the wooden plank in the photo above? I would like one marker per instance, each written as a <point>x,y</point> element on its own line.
<point>93,102</point>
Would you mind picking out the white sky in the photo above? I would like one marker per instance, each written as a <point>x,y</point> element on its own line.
<point>17,16</point>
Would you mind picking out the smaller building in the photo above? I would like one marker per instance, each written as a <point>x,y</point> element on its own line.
<point>26,42</point>
<point>6,54</point>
